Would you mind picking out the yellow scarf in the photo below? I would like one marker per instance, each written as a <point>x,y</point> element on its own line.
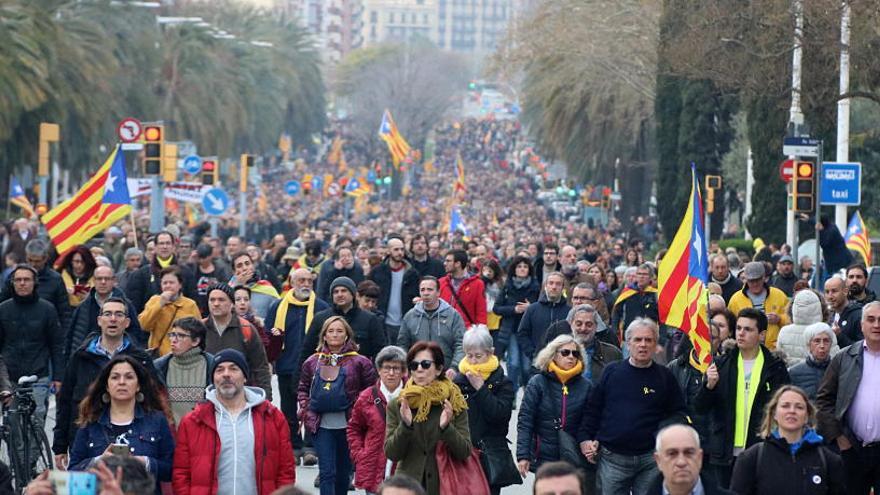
<point>565,375</point>
<point>422,398</point>
<point>164,263</point>
<point>743,410</point>
<point>484,369</point>
<point>281,312</point>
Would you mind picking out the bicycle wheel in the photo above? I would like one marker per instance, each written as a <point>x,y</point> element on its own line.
<point>40,455</point>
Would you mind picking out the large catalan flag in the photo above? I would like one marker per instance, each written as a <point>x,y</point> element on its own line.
<point>98,204</point>
<point>857,238</point>
<point>18,198</point>
<point>683,275</point>
<point>397,145</point>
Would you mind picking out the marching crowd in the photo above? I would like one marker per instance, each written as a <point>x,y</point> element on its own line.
<point>387,336</point>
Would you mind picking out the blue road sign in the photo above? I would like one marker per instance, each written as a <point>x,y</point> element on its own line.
<point>192,164</point>
<point>292,187</point>
<point>317,183</point>
<point>215,201</point>
<point>841,183</point>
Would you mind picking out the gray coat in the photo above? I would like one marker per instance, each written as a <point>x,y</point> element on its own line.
<point>838,390</point>
<point>445,327</point>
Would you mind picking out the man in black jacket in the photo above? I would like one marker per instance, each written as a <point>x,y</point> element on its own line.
<point>31,341</point>
<point>396,277</point>
<point>846,316</point>
<point>550,308</point>
<point>144,283</point>
<point>49,284</point>
<point>421,261</point>
<point>680,461</point>
<point>85,365</point>
<point>726,386</point>
<point>721,275</point>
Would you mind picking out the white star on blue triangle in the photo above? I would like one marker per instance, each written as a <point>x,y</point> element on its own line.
<point>116,185</point>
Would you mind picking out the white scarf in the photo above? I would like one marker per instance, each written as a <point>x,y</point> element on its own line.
<point>390,395</point>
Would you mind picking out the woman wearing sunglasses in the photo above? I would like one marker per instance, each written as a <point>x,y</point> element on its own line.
<point>554,400</point>
<point>430,409</point>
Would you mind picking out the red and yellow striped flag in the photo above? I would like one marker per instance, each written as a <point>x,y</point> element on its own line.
<point>459,186</point>
<point>98,204</point>
<point>397,145</point>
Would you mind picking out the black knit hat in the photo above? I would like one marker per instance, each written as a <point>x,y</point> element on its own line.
<point>224,288</point>
<point>343,282</point>
<point>232,356</point>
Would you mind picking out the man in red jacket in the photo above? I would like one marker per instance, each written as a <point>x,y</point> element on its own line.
<point>236,439</point>
<point>463,291</point>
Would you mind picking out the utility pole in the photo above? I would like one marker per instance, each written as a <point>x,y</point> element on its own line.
<point>795,116</point>
<point>840,212</point>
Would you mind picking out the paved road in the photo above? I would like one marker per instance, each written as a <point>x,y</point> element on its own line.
<point>305,476</point>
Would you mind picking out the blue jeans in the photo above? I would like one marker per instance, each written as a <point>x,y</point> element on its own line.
<point>334,461</point>
<point>618,473</point>
<point>517,364</point>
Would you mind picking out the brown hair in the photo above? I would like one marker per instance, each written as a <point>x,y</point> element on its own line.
<point>769,423</point>
<point>349,333</point>
<point>432,347</point>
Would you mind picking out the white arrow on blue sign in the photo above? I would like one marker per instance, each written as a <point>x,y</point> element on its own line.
<point>215,201</point>
<point>192,164</point>
<point>292,187</point>
<point>841,183</point>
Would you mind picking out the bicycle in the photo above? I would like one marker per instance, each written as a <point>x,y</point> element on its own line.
<point>27,451</point>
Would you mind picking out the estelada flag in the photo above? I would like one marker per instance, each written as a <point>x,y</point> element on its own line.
<point>683,299</point>
<point>857,238</point>
<point>397,145</point>
<point>18,198</point>
<point>99,203</point>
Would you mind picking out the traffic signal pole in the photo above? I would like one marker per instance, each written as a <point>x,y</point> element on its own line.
<point>817,272</point>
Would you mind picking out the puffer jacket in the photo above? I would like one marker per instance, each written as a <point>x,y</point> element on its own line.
<point>469,300</point>
<point>808,374</point>
<point>445,326</point>
<point>359,375</point>
<point>51,288</point>
<point>505,305</point>
<point>85,321</point>
<point>366,438</point>
<point>540,414</point>
<point>805,468</point>
<point>535,322</point>
<point>145,283</point>
<point>775,303</point>
<point>806,309</point>
<point>490,408</point>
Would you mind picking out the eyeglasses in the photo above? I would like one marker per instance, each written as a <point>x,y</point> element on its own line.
<point>391,369</point>
<point>179,335</point>
<point>114,314</point>
<point>570,352</point>
<point>425,364</point>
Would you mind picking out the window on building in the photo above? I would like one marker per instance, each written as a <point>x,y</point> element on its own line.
<point>374,16</point>
<point>391,17</point>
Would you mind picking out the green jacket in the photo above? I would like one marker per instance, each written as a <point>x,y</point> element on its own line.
<point>412,447</point>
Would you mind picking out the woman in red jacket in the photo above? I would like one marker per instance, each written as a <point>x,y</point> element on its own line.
<point>366,427</point>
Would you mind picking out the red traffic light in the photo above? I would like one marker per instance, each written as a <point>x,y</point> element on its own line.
<point>804,169</point>
<point>153,133</point>
<point>208,166</point>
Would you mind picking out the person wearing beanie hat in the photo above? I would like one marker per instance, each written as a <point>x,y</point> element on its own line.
<point>226,330</point>
<point>232,356</point>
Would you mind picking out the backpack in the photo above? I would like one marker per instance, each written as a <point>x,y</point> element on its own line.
<point>327,392</point>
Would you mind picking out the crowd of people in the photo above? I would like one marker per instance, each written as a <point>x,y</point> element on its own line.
<point>403,351</point>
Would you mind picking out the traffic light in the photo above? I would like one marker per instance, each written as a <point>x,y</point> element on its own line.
<point>804,196</point>
<point>209,172</point>
<point>246,161</point>
<point>154,136</point>
<point>713,182</point>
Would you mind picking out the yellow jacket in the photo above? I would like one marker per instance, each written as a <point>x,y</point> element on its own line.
<point>157,319</point>
<point>775,303</point>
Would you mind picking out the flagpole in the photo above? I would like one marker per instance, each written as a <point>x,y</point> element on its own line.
<point>133,227</point>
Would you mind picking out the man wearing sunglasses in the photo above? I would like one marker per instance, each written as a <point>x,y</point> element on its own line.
<point>85,365</point>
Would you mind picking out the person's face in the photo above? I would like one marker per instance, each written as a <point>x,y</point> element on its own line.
<point>164,246</point>
<point>610,279</point>
<point>434,249</point>
<point>550,257</point>
<point>219,304</point>
<point>820,347</point>
<point>569,255</point>
<point>553,287</point>
<point>420,375</point>
<point>785,267</point>
<point>279,241</point>
<point>756,285</point>
<point>23,282</point>
<point>747,335</point>
<point>533,250</point>
<point>105,280</point>
<point>122,384</point>
<point>449,264</point>
<point>592,248</point>
<point>791,412</point>
<point>391,374</point>
<point>181,341</point>
<point>342,297</point>
<point>229,380</point>
<point>253,252</point>
<point>567,356</point>
<point>855,277</point>
<point>559,485</point>
<point>583,269</point>
<point>233,245</point>
<point>480,252</point>
<point>643,278</point>
<point>242,302</point>
<point>36,261</point>
<point>77,264</point>
<point>595,272</point>
<point>679,458</point>
<point>346,258</point>
<point>582,296</point>
<point>617,250</point>
<point>870,324</point>
<point>720,268</point>
<point>723,327</point>
<point>835,292</point>
<point>132,263</point>
<point>301,283</point>
<point>170,283</point>
<point>584,327</point>
<point>488,273</point>
<point>419,246</point>
<point>335,335</point>
<point>396,250</point>
<point>184,248</point>
<point>113,319</point>
<point>522,270</point>
<point>244,268</point>
<point>477,356</point>
<point>367,303</point>
<point>428,292</point>
<point>641,345</point>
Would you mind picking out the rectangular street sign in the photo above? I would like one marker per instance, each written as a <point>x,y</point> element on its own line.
<point>841,183</point>
<point>800,146</point>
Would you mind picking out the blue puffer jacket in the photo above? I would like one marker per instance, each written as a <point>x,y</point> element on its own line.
<point>540,414</point>
<point>149,435</point>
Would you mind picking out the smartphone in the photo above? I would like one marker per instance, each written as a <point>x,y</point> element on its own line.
<point>120,449</point>
<point>73,482</point>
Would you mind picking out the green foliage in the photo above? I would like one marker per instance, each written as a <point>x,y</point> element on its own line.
<point>739,244</point>
<point>767,121</point>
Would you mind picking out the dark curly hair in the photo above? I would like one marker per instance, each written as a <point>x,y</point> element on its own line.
<point>92,406</point>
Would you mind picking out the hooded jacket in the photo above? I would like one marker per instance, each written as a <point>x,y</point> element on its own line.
<point>536,320</point>
<point>774,303</point>
<point>806,309</point>
<point>470,301</point>
<point>445,326</point>
<point>201,462</point>
<point>85,321</point>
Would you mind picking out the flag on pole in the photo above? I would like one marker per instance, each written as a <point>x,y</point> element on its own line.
<point>397,145</point>
<point>456,222</point>
<point>683,299</point>
<point>857,238</point>
<point>18,198</point>
<point>459,186</point>
<point>99,203</point>
<point>357,187</point>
